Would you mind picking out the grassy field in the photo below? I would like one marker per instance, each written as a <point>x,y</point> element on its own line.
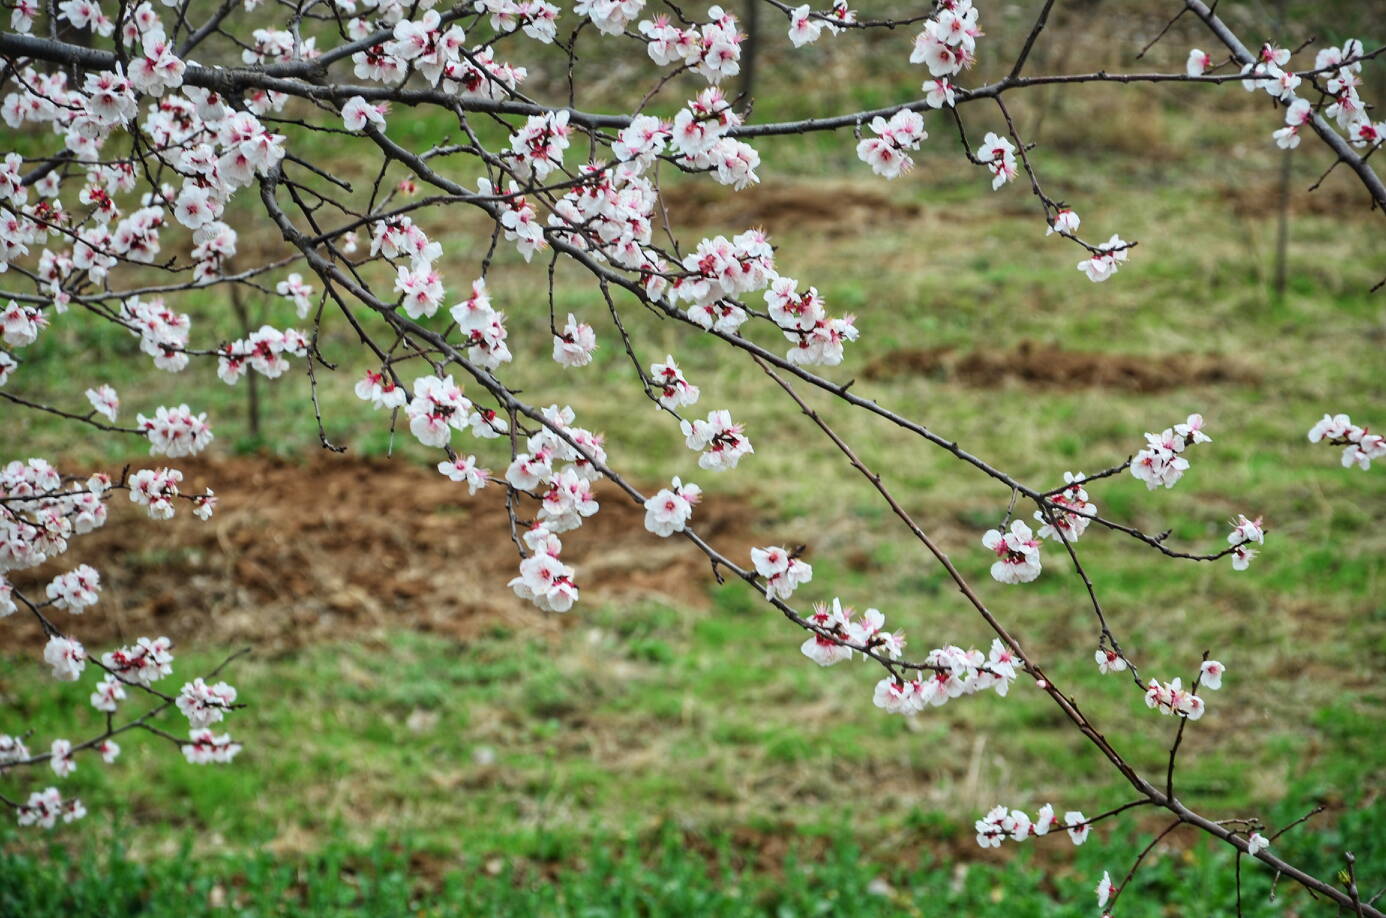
<point>666,749</point>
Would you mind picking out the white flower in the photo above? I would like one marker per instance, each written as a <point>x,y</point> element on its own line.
<point>826,645</point>
<point>437,409</point>
<point>1104,889</point>
<point>674,390</point>
<point>109,692</point>
<point>61,761</point>
<point>722,441</point>
<point>1109,661</point>
<point>67,658</point>
<point>465,470</point>
<point>998,154</point>
<point>1017,553</point>
<point>104,401</point>
<point>203,704</point>
<point>668,511</point>
<point>1078,826</point>
<point>357,113</point>
<point>783,573</point>
<point>297,290</point>
<point>205,747</point>
<point>1106,261</point>
<point>574,346</point>
<point>1065,222</point>
<point>803,28</point>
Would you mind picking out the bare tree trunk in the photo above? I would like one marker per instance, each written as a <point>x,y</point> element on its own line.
<point>1282,231</point>
<point>751,22</point>
<point>252,391</point>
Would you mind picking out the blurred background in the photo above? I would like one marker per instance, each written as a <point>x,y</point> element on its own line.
<point>417,741</point>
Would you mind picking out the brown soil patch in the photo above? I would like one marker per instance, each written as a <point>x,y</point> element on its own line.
<point>300,553</point>
<point>1050,365</point>
<point>780,207</point>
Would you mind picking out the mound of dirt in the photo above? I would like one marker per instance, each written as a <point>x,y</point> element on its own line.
<point>780,207</point>
<point>299,553</point>
<point>1050,365</point>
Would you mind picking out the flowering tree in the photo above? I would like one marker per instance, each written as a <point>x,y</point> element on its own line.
<point>132,208</point>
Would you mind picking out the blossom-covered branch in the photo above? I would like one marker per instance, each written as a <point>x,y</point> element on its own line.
<point>132,206</point>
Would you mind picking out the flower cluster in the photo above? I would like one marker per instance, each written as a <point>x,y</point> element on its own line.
<point>1161,463</point>
<point>20,325</point>
<point>163,333</point>
<point>1360,445</point>
<point>205,747</point>
<point>720,269</point>
<point>544,579</point>
<point>1172,698</point>
<point>76,589</point>
<point>1069,513</point>
<point>816,338</point>
<point>155,490</point>
<point>143,663</point>
<point>40,513</point>
<point>437,408</point>
<point>537,148</point>
<point>44,808</point>
<point>1107,260</point>
<point>722,442</point>
<point>886,153</point>
<point>1017,553</point>
<point>464,469</point>
<point>1336,80</point>
<point>950,672</point>
<point>536,18</point>
<point>837,631</point>
<point>1244,532</point>
<point>483,327</point>
<point>998,155</point>
<point>806,26</point>
<point>1002,823</point>
<point>563,460</point>
<point>713,51</point>
<point>203,704</point>
<point>675,391</point>
<point>609,16</point>
<point>176,432</point>
<point>575,344</point>
<point>265,351</point>
<point>948,43</point>
<point>783,570</point>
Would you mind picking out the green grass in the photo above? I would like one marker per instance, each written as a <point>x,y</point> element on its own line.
<point>669,872</point>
